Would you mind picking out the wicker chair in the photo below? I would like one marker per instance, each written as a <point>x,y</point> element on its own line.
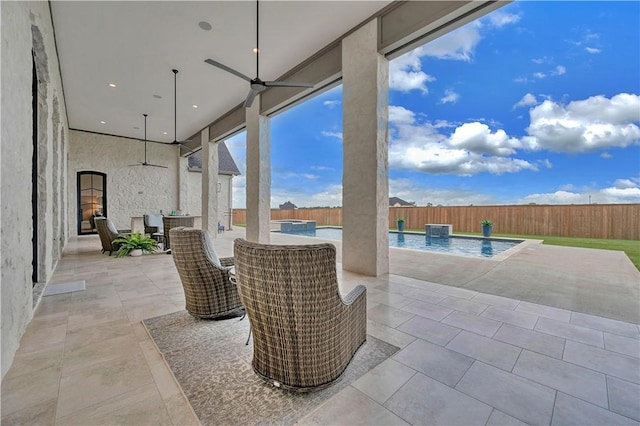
<point>205,278</point>
<point>305,333</point>
<point>108,233</point>
<point>169,222</point>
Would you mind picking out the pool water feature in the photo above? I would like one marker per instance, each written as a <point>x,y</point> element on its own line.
<point>463,246</point>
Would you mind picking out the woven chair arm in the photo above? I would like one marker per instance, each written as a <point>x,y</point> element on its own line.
<point>354,294</point>
<point>226,261</point>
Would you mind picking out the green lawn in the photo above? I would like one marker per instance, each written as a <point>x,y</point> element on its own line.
<point>630,247</point>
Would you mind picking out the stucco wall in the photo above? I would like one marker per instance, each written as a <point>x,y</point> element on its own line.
<point>195,197</point>
<point>26,27</point>
<point>131,190</point>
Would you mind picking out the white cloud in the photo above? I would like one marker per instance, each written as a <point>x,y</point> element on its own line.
<point>321,168</point>
<point>331,104</point>
<point>585,126</point>
<point>592,50</point>
<point>606,155</point>
<point>450,97</point>
<point>500,19</point>
<point>330,196</point>
<point>558,197</point>
<point>559,70</point>
<point>527,100</point>
<point>399,115</point>
<point>405,73</point>
<point>457,45</point>
<point>337,135</point>
<point>624,184</point>
<point>478,138</point>
<point>567,187</point>
<point>539,75</point>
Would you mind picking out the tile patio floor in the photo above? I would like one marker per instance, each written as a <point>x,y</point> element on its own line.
<point>466,358</point>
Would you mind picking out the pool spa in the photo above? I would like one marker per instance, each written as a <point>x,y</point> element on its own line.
<point>453,244</point>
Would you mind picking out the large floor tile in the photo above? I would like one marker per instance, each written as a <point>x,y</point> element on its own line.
<point>384,380</point>
<point>137,407</point>
<point>605,324</point>
<point>351,407</point>
<point>101,382</point>
<point>560,375</point>
<point>573,411</point>
<point>624,397</point>
<point>489,351</point>
<point>535,341</point>
<point>430,330</point>
<point>498,418</point>
<point>519,319</point>
<point>611,363</point>
<point>572,332</point>
<point>473,323</point>
<point>518,397</point>
<point>426,401</point>
<point>622,345</point>
<point>544,311</point>
<point>434,361</point>
<point>427,310</point>
<point>389,334</point>
<point>463,305</point>
<point>388,316</point>
<point>24,391</point>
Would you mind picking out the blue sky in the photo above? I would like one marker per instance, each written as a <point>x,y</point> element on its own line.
<point>537,102</point>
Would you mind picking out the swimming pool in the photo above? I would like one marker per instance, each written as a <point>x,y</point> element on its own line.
<point>463,246</point>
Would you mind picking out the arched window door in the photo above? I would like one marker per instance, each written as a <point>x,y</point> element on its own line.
<point>92,200</point>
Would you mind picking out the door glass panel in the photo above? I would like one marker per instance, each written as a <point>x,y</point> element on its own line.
<point>91,200</point>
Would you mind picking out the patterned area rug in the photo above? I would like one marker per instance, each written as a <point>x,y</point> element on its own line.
<point>213,366</point>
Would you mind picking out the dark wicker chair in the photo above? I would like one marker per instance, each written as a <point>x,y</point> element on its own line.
<point>304,332</point>
<point>174,222</point>
<point>108,233</point>
<point>205,278</point>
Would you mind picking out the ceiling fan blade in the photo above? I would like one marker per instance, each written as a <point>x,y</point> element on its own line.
<point>286,84</point>
<point>227,69</point>
<point>155,165</point>
<point>250,97</point>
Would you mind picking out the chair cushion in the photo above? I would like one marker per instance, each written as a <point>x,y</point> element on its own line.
<point>210,251</point>
<point>111,227</point>
<point>154,220</point>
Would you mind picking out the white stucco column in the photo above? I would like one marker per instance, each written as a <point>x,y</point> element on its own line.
<point>365,181</point>
<point>183,183</point>
<point>209,184</point>
<point>258,174</point>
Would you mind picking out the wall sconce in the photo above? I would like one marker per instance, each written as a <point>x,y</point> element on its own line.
<point>219,187</point>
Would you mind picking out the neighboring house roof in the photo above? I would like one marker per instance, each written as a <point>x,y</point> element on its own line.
<point>288,206</point>
<point>398,202</point>
<point>226,164</point>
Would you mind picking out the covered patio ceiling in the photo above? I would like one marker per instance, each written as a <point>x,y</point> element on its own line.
<point>135,45</point>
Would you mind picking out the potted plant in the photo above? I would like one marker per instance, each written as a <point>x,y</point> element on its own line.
<point>400,222</point>
<point>134,244</point>
<point>487,227</point>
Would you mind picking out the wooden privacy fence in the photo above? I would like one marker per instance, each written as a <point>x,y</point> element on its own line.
<point>615,221</point>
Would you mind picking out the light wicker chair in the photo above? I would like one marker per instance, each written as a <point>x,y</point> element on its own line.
<point>169,222</point>
<point>205,277</point>
<point>107,232</point>
<point>305,333</point>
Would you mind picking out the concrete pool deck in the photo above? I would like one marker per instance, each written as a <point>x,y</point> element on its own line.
<point>590,281</point>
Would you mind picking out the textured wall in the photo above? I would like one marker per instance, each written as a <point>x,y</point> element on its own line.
<point>26,27</point>
<point>131,190</point>
<point>195,200</point>
<point>365,179</point>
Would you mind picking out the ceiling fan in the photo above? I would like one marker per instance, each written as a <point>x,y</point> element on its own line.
<point>175,114</point>
<point>144,163</point>
<point>257,85</point>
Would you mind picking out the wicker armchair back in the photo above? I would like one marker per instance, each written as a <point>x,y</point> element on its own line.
<point>173,222</point>
<point>108,233</point>
<point>205,277</point>
<point>305,333</point>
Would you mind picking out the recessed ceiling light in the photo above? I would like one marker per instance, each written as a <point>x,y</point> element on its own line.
<point>157,96</point>
<point>103,122</point>
<point>112,85</point>
<point>195,106</point>
<point>254,50</point>
<point>164,133</point>
<point>205,25</point>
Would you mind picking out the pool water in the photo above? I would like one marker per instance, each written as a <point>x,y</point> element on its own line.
<point>463,246</point>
